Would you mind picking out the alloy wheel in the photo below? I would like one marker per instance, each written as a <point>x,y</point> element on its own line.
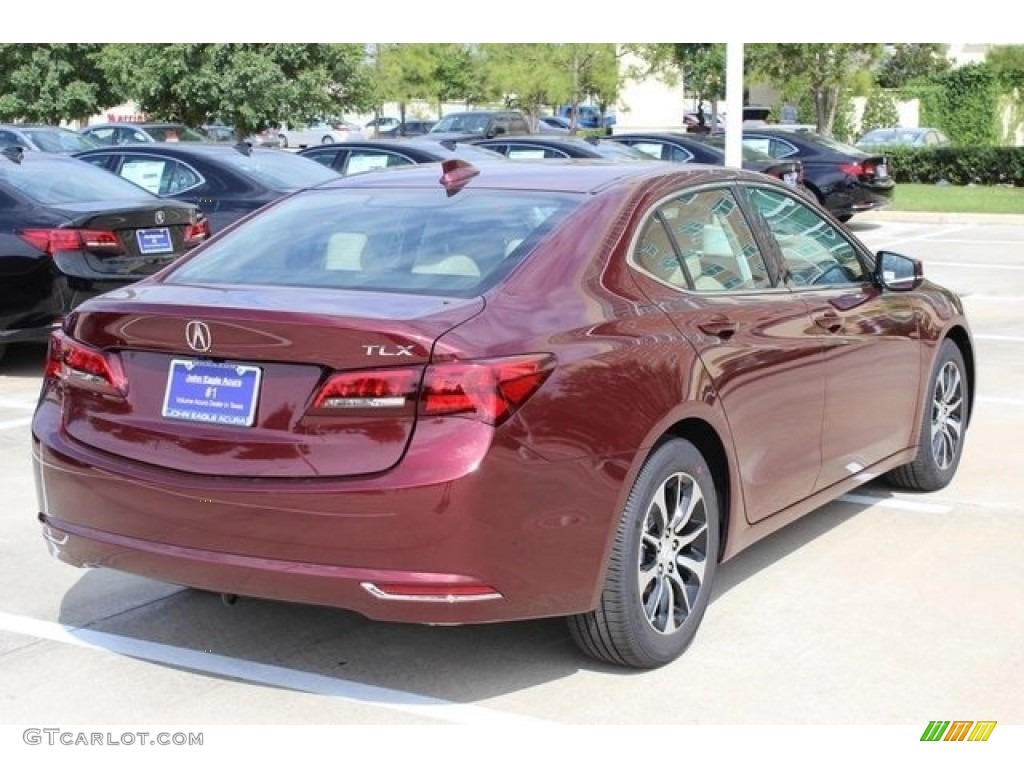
<point>673,553</point>
<point>947,415</point>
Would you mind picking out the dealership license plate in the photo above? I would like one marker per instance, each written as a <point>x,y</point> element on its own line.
<point>791,178</point>
<point>212,393</point>
<point>154,240</point>
<point>881,171</point>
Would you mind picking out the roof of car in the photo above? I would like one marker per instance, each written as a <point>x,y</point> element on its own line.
<point>183,149</point>
<point>33,126</point>
<point>554,175</point>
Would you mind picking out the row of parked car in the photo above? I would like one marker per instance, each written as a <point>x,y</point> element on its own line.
<point>199,186</point>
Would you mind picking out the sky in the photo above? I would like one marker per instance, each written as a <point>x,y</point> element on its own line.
<point>530,21</point>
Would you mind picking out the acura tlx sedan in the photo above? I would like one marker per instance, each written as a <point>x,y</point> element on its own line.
<point>451,394</point>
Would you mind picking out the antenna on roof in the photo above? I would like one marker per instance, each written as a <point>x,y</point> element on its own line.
<point>455,173</point>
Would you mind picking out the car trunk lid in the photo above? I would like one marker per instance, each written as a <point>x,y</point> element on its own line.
<point>238,382</point>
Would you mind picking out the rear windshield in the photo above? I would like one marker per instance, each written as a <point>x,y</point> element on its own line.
<point>391,240</point>
<point>462,123</point>
<point>278,170</point>
<point>172,133</point>
<point>60,140</point>
<point>749,153</point>
<point>58,181</point>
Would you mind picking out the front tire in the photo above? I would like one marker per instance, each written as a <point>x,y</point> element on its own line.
<point>940,440</point>
<point>284,141</point>
<point>662,565</point>
<point>327,140</point>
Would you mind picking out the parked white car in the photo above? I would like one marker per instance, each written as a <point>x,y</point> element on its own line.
<point>318,133</point>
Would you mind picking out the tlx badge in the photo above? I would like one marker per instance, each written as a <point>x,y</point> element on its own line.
<point>381,350</point>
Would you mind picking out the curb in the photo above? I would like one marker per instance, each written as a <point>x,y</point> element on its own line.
<point>1011,219</point>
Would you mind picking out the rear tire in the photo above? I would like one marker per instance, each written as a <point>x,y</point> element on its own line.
<point>284,141</point>
<point>662,565</point>
<point>940,439</point>
<point>327,140</point>
<point>845,217</point>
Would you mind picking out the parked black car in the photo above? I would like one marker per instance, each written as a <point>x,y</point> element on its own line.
<point>710,150</point>
<point>69,231</point>
<point>359,156</point>
<point>549,146</point>
<point>846,180</point>
<point>226,181</point>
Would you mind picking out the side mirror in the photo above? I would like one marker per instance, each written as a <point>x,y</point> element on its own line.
<point>897,272</point>
<point>499,130</point>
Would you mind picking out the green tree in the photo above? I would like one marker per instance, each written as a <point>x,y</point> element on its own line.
<point>822,69</point>
<point>432,72</point>
<point>879,112</point>
<point>532,75</point>
<point>843,128</point>
<point>905,62</point>
<point>249,85</point>
<point>700,67</point>
<point>1007,63</point>
<point>53,82</point>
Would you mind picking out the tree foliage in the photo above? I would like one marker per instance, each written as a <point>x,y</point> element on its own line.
<point>251,86</point>
<point>905,62</point>
<point>532,75</point>
<point>879,112</point>
<point>823,69</point>
<point>431,72</point>
<point>1007,62</point>
<point>700,67</point>
<point>53,82</point>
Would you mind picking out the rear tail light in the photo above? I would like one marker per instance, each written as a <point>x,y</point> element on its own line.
<point>852,169</point>
<point>486,390</point>
<point>197,232</point>
<point>79,365</point>
<point>50,241</point>
<point>388,388</point>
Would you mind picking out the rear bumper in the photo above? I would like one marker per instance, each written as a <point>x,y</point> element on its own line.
<point>534,531</point>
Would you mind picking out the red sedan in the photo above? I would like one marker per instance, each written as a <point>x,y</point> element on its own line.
<point>449,394</point>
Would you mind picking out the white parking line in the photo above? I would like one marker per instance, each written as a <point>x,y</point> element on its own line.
<point>264,674</point>
<point>923,236</point>
<point>961,265</point>
<point>881,501</point>
<point>994,337</point>
<point>25,405</point>
<point>1002,400</point>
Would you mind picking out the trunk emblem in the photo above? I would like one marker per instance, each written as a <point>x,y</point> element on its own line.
<point>160,217</point>
<point>198,336</point>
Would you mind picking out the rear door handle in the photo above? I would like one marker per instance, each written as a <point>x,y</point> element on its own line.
<point>830,321</point>
<point>721,327</point>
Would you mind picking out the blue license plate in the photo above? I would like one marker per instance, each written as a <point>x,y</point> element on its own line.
<point>154,240</point>
<point>212,393</point>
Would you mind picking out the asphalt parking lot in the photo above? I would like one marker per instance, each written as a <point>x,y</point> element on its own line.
<point>880,609</point>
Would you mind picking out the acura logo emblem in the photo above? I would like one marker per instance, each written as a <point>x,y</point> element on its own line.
<point>160,217</point>
<point>198,336</point>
